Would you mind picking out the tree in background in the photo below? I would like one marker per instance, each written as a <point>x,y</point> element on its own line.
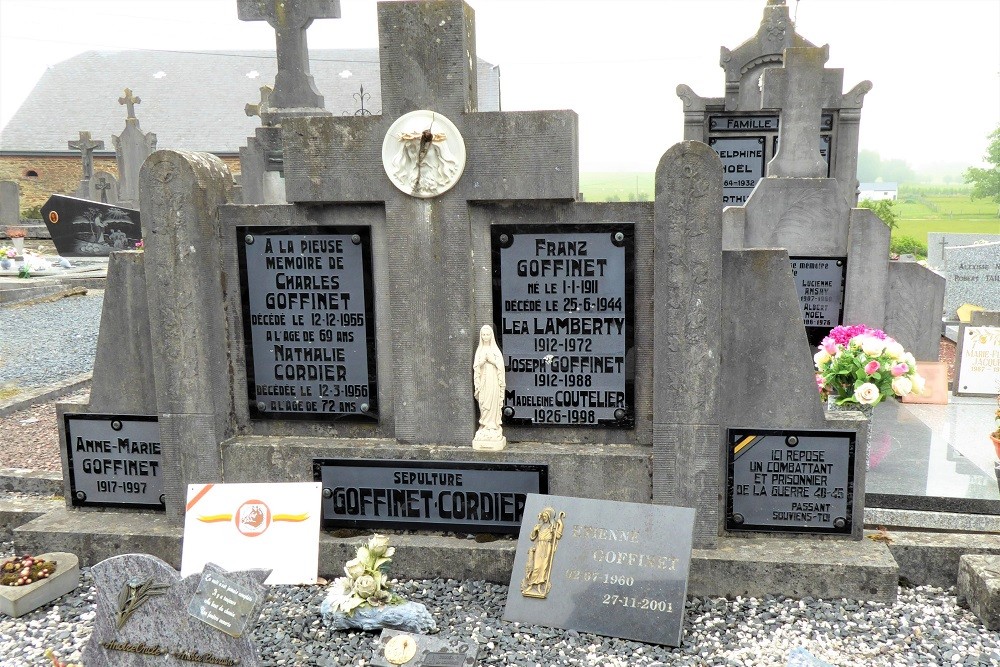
<point>869,164</point>
<point>986,182</point>
<point>885,209</point>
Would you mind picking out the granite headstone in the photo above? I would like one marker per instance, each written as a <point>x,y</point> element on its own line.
<point>939,242</point>
<point>611,568</point>
<point>147,615</point>
<point>973,275</point>
<point>86,228</point>
<point>10,204</point>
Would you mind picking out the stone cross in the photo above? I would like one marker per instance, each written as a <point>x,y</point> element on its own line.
<point>103,186</point>
<point>294,87</point>
<point>261,107</point>
<point>801,90</point>
<point>129,101</point>
<point>87,146</point>
<point>428,61</point>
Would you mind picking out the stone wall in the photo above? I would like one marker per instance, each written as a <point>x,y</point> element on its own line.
<point>60,174</point>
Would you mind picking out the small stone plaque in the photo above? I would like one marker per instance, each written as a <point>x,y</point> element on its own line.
<point>142,619</point>
<point>309,322</point>
<point>612,568</point>
<point>222,603</point>
<point>563,302</point>
<point>742,166</point>
<point>114,460</point>
<point>978,372</point>
<point>427,495</point>
<point>424,651</point>
<point>819,282</point>
<point>790,481</point>
<point>82,228</point>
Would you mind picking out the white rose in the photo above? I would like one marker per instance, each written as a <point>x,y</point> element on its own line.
<point>822,357</point>
<point>872,346</point>
<point>354,568</point>
<point>909,360</point>
<point>365,585</point>
<point>867,394</point>
<point>901,386</point>
<point>895,350</point>
<point>918,384</point>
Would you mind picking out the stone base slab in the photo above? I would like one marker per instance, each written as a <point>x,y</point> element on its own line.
<point>15,512</point>
<point>931,559</point>
<point>979,588</point>
<point>19,600</point>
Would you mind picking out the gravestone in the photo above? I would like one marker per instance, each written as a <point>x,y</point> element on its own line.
<point>743,126</point>
<point>10,204</point>
<point>531,156</point>
<point>132,147</point>
<point>295,91</point>
<point>86,146</point>
<point>103,188</point>
<point>86,228</point>
<point>840,253</point>
<point>914,303</point>
<point>146,614</point>
<point>938,242</point>
<point>615,569</point>
<point>973,276</point>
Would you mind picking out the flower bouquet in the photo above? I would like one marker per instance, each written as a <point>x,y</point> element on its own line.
<point>363,598</point>
<point>856,364</point>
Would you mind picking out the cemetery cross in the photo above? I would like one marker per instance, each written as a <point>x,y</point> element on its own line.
<point>428,62</point>
<point>800,91</point>
<point>129,101</point>
<point>87,146</point>
<point>103,186</point>
<point>294,87</point>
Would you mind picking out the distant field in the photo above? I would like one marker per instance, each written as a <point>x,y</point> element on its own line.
<point>921,208</point>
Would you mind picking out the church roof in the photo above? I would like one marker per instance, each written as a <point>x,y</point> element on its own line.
<point>192,100</point>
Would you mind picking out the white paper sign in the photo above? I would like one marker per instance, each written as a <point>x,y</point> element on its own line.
<point>248,526</point>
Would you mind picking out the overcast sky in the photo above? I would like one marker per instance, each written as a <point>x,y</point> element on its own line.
<point>935,65</point>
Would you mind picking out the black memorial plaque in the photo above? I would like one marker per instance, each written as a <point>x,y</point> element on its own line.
<point>309,322</point>
<point>427,495</point>
<point>790,481</point>
<point>742,166</point>
<point>84,228</point>
<point>223,603</point>
<point>819,282</point>
<point>563,309</point>
<point>611,568</point>
<point>114,460</point>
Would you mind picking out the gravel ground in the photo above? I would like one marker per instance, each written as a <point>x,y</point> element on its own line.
<point>923,627</point>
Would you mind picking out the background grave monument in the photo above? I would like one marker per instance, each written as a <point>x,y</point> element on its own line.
<point>10,204</point>
<point>743,127</point>
<point>132,147</point>
<point>973,276</point>
<point>87,146</point>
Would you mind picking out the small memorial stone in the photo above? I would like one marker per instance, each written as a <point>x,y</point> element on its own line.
<point>143,616</point>
<point>397,647</point>
<point>612,568</point>
<point>20,599</point>
<point>978,371</point>
<point>790,481</point>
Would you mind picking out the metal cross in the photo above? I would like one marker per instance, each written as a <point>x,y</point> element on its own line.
<point>86,145</point>
<point>130,102</point>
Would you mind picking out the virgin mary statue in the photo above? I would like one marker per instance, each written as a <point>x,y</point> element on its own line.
<point>489,385</point>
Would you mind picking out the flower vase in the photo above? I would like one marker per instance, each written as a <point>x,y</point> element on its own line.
<point>18,245</point>
<point>996,444</point>
<point>869,413</point>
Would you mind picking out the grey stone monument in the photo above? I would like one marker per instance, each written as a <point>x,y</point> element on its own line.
<point>104,188</point>
<point>10,204</point>
<point>261,181</point>
<point>295,91</point>
<point>973,275</point>
<point>939,242</point>
<point>742,126</point>
<point>181,193</point>
<point>686,426</point>
<point>428,58</point>
<point>86,146</point>
<point>132,147</point>
<point>914,303</point>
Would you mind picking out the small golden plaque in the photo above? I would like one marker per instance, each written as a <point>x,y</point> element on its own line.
<point>538,570</point>
<point>400,649</point>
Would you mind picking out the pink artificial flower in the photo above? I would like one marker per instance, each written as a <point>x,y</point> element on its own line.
<point>871,367</point>
<point>820,382</point>
<point>11,254</point>
<point>829,346</point>
<point>900,369</point>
